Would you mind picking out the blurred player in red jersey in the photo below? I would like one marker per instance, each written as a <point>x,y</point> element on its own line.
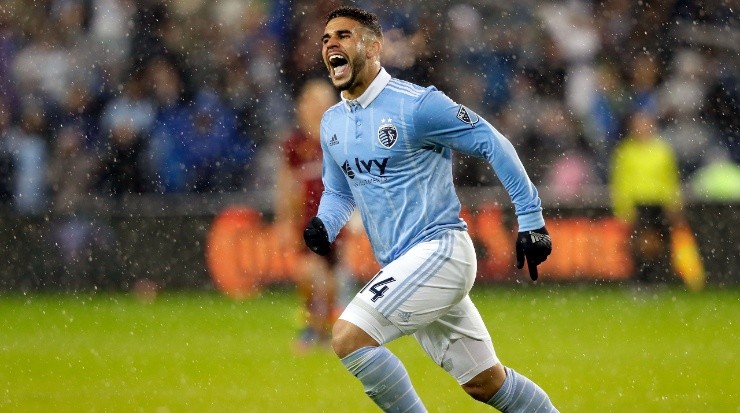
<point>298,194</point>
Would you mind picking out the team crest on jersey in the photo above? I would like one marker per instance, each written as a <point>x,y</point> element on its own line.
<point>387,134</point>
<point>467,117</point>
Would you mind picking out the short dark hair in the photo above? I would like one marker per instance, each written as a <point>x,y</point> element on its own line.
<point>364,17</point>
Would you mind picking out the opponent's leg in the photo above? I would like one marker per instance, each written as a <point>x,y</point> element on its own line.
<point>382,374</point>
<point>318,291</point>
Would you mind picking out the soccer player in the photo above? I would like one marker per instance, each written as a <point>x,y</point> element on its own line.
<point>651,207</point>
<point>387,152</point>
<point>298,192</point>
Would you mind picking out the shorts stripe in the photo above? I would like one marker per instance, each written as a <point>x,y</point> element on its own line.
<point>445,256</point>
<point>408,282</point>
<point>421,275</point>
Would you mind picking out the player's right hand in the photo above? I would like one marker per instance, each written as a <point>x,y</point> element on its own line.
<point>316,237</point>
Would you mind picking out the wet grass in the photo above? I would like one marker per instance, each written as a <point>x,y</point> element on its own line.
<point>594,350</point>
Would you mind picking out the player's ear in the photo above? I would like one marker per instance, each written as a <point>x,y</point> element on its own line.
<point>373,49</point>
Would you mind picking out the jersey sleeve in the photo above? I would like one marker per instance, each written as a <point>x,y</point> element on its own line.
<point>438,120</point>
<point>337,202</point>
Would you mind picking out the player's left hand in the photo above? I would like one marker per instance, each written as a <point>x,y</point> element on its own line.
<point>535,246</point>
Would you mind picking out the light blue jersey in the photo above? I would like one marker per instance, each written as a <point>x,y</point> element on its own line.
<point>389,153</point>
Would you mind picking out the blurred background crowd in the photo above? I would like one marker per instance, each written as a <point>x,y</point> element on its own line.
<point>106,98</point>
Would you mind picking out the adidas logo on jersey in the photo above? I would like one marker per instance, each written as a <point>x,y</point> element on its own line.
<point>333,141</point>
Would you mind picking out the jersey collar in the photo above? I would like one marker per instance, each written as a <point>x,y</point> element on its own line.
<point>372,91</point>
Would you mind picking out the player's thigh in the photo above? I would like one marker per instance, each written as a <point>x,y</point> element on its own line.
<point>416,289</point>
<point>459,342</point>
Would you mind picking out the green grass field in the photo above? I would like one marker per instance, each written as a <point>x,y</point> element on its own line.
<point>594,350</point>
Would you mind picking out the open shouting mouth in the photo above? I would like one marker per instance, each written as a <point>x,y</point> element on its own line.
<point>339,65</point>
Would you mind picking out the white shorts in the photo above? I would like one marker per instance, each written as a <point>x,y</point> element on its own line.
<point>425,293</point>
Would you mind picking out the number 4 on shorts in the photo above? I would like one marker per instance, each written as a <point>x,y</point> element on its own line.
<point>379,288</point>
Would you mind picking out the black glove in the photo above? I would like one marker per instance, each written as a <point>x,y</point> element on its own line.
<point>316,237</point>
<point>535,245</point>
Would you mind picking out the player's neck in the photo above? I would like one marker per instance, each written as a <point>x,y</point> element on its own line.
<point>369,75</point>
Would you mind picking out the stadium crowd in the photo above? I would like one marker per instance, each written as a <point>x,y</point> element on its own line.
<point>116,97</point>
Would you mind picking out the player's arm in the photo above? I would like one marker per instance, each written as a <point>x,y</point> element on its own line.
<point>285,202</point>
<point>288,194</point>
<point>441,121</point>
<point>335,208</point>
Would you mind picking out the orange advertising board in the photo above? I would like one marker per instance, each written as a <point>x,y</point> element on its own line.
<point>243,254</point>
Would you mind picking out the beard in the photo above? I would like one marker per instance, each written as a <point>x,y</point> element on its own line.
<point>357,66</point>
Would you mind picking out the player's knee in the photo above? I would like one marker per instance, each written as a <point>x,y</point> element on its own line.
<point>347,337</point>
<point>486,384</point>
